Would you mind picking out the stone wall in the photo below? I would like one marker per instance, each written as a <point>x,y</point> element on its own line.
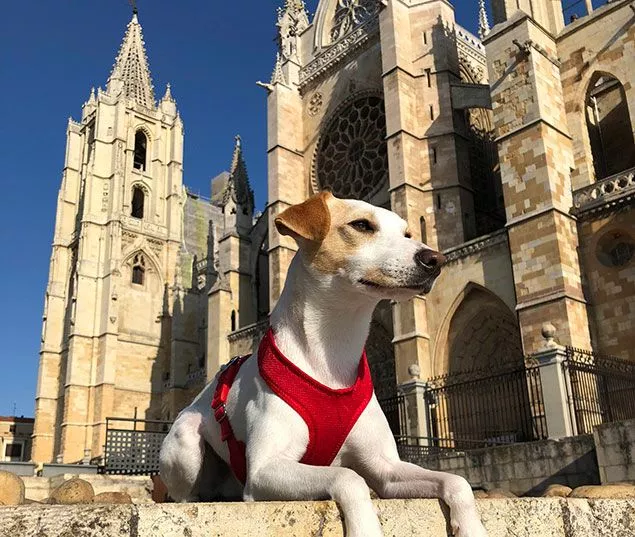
<point>524,469</point>
<point>615,446</point>
<point>399,518</point>
<point>610,285</point>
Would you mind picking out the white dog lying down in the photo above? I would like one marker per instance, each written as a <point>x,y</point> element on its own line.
<point>300,420</point>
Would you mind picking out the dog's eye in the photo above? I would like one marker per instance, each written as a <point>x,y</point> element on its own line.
<point>362,225</point>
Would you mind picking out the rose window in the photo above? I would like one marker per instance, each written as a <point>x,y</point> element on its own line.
<point>352,157</point>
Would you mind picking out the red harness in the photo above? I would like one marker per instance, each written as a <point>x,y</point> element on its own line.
<point>329,414</point>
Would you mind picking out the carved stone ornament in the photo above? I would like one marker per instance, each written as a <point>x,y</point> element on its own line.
<point>333,55</point>
<point>350,14</point>
<point>315,104</point>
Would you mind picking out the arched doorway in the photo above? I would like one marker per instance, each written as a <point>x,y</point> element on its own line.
<point>483,333</point>
<point>485,394</point>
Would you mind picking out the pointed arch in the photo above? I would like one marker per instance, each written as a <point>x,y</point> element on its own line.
<point>334,19</point>
<point>479,330</point>
<point>609,125</point>
<point>140,153</point>
<point>142,259</point>
<point>139,201</point>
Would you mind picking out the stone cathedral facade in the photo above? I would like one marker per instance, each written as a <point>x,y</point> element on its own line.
<point>512,152</point>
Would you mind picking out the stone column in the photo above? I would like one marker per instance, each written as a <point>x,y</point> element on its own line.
<point>416,417</point>
<point>536,158</point>
<point>218,327</point>
<point>285,170</point>
<point>554,379</point>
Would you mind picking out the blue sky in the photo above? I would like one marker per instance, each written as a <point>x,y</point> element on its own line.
<point>52,53</point>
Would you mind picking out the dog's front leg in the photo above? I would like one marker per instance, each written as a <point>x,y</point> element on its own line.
<point>373,453</point>
<point>397,479</point>
<point>289,480</point>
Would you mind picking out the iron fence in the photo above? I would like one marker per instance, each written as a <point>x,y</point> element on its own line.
<point>395,411</point>
<point>132,446</point>
<point>600,389</point>
<point>484,408</point>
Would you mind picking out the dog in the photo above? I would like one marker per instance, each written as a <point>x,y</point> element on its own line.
<point>248,433</point>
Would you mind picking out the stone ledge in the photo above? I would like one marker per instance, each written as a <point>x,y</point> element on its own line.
<point>526,517</point>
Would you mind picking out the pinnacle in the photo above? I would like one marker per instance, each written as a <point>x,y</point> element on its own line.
<point>483,23</point>
<point>277,76</point>
<point>238,185</point>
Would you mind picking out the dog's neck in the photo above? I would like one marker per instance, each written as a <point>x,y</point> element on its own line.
<point>320,329</point>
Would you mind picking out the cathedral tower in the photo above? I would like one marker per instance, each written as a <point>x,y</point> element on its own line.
<point>114,262</point>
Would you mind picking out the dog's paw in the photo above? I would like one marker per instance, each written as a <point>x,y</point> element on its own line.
<point>471,528</point>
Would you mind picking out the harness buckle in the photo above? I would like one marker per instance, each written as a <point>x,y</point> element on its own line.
<point>220,413</point>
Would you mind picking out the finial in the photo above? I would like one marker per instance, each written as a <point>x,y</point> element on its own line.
<point>483,23</point>
<point>238,140</point>
<point>133,4</point>
<point>549,333</point>
<point>168,93</point>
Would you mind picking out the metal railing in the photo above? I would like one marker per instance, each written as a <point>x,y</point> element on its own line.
<point>487,408</point>
<point>132,446</point>
<point>472,410</point>
<point>600,389</point>
<point>395,411</point>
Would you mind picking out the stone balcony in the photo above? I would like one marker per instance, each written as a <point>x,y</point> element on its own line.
<point>530,517</point>
<point>608,193</point>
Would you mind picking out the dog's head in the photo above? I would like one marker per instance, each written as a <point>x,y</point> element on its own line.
<point>361,246</point>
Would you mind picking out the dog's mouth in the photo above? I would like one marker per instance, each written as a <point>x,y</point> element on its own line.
<point>422,287</point>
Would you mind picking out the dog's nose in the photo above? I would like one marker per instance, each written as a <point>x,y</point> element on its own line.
<point>429,259</point>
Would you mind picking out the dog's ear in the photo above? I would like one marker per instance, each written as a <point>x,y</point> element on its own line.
<point>309,220</point>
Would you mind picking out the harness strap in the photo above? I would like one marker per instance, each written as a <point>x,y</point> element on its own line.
<point>236,448</point>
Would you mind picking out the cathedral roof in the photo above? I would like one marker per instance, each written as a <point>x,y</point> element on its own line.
<point>131,74</point>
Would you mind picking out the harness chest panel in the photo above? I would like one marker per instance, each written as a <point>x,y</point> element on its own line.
<point>329,414</point>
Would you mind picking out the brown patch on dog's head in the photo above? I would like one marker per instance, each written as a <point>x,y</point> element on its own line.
<point>320,226</point>
<point>310,220</point>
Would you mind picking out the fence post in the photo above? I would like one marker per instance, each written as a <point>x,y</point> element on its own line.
<point>416,412</point>
<point>554,379</point>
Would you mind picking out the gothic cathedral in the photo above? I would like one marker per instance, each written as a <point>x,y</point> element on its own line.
<point>512,152</point>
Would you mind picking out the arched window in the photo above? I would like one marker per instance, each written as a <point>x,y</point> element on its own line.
<point>610,129</point>
<point>138,202</point>
<point>424,232</point>
<point>140,150</point>
<point>138,269</point>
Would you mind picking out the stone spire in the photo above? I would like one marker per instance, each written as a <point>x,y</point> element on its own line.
<point>483,23</point>
<point>130,75</point>
<point>238,187</point>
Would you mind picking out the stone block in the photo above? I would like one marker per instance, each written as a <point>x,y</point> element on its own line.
<point>556,490</point>
<point>526,517</point>
<point>605,491</point>
<point>11,489</point>
<point>615,474</point>
<point>72,492</point>
<point>112,497</point>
